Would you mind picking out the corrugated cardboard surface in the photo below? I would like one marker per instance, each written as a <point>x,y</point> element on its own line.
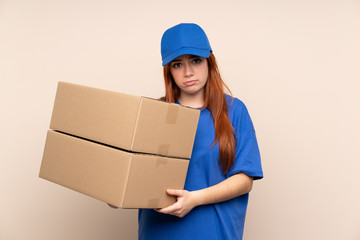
<point>99,115</point>
<point>165,129</point>
<point>149,177</point>
<point>128,122</point>
<point>123,179</point>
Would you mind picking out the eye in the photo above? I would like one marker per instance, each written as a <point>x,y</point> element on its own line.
<point>176,65</point>
<point>197,60</point>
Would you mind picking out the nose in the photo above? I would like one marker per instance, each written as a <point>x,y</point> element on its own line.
<point>188,70</point>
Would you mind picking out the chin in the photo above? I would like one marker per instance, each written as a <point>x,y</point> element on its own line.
<point>192,91</point>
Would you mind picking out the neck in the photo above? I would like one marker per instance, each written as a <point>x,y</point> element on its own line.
<point>192,100</point>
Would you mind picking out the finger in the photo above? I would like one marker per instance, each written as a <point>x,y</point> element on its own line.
<point>175,192</point>
<point>169,209</point>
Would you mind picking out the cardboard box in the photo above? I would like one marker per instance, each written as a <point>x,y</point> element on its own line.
<point>123,179</point>
<point>132,123</point>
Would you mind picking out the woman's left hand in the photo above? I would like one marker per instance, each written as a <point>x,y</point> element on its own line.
<point>186,201</point>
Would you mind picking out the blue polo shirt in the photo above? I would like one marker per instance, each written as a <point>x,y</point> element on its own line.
<point>224,220</point>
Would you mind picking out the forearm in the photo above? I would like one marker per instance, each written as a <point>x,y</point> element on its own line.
<point>232,187</point>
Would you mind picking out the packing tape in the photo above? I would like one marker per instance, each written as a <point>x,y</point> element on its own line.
<point>160,161</point>
<point>172,114</point>
<point>163,149</point>
<point>153,203</point>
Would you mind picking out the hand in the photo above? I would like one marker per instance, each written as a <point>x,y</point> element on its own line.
<point>186,201</point>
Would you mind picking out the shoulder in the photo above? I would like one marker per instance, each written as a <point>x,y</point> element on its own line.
<point>238,113</point>
<point>235,104</point>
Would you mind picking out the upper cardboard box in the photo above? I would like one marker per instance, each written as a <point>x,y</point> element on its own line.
<point>129,122</point>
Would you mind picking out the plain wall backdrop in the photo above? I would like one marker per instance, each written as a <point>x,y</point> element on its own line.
<point>295,64</point>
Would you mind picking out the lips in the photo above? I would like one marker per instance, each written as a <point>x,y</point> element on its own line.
<point>190,83</point>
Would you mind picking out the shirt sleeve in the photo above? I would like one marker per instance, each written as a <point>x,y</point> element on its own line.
<point>247,154</point>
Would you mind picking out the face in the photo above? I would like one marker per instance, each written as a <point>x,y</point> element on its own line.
<point>190,74</point>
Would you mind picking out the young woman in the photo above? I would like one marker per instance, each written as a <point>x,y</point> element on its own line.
<point>225,158</point>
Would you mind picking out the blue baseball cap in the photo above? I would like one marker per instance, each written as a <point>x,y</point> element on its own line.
<point>184,38</point>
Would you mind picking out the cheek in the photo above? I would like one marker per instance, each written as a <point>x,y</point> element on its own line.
<point>205,72</point>
<point>175,75</point>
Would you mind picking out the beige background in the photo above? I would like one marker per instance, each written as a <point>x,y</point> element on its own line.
<point>295,64</point>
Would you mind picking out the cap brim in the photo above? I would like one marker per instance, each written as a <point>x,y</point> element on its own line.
<point>205,53</point>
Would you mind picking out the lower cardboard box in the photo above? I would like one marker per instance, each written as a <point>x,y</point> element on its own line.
<point>120,178</point>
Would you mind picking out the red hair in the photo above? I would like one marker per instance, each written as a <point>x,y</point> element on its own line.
<point>216,103</point>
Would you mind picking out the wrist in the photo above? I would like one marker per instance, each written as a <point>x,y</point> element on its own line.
<point>198,198</point>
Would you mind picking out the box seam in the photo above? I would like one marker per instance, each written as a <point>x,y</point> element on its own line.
<point>136,123</point>
<point>126,180</point>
